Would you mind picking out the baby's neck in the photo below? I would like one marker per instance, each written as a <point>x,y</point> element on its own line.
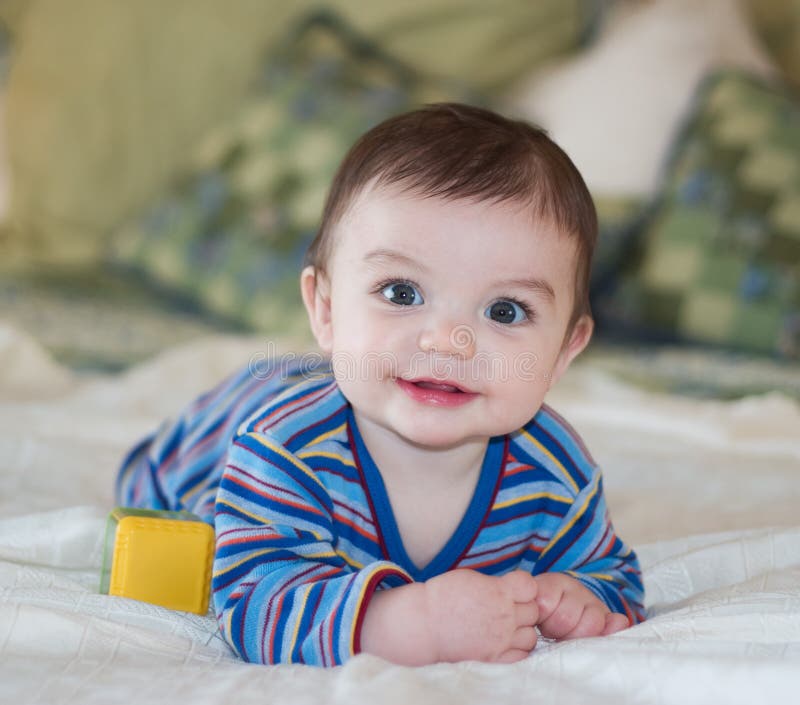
<point>397,457</point>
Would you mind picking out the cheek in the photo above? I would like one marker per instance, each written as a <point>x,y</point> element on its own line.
<point>360,327</point>
<point>526,364</point>
<point>368,344</point>
<point>522,380</point>
<point>526,386</point>
<point>521,398</point>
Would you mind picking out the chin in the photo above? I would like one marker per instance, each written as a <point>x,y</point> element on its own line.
<point>437,438</point>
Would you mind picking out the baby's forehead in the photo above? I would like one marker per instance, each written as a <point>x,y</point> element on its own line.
<point>390,228</point>
<point>381,207</point>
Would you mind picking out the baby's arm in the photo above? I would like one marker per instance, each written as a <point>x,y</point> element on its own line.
<point>281,592</point>
<point>457,616</point>
<point>586,573</point>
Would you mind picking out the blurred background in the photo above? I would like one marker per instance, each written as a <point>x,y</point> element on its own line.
<point>163,164</point>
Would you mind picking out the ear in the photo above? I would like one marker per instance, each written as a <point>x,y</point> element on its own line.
<point>578,339</point>
<point>315,289</point>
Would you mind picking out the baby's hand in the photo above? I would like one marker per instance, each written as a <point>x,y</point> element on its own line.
<point>482,618</point>
<point>568,609</point>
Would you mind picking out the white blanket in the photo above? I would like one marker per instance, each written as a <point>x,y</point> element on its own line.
<point>707,492</point>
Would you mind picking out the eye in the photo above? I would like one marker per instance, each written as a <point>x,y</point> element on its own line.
<point>508,312</point>
<point>402,294</point>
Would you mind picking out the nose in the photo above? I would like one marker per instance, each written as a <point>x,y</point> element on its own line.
<point>447,338</point>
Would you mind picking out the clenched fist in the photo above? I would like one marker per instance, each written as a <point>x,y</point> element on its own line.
<point>568,609</point>
<point>482,618</point>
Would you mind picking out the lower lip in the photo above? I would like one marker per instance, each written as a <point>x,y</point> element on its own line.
<point>435,397</point>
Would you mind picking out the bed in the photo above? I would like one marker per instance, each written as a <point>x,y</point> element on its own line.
<point>119,309</point>
<point>721,555</point>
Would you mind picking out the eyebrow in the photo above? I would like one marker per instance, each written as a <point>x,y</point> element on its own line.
<point>539,287</point>
<point>386,256</point>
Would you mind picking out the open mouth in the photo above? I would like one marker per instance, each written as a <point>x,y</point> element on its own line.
<point>432,392</point>
<point>425,384</point>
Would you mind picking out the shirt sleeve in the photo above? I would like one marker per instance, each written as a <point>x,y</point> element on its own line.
<point>585,547</point>
<point>282,593</point>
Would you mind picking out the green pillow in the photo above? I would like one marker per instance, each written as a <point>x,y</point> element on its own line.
<point>491,45</point>
<point>106,98</point>
<point>719,261</point>
<point>104,101</point>
<point>619,219</point>
<point>233,235</point>
<point>777,23</point>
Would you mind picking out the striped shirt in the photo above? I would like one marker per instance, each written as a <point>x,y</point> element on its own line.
<point>304,527</point>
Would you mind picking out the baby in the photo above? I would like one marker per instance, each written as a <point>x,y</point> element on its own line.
<point>413,498</point>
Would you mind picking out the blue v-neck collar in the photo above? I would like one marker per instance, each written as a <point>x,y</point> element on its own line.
<point>386,523</point>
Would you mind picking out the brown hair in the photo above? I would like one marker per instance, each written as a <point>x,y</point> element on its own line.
<point>455,151</point>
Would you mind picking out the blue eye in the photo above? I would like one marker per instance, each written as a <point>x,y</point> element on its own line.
<point>402,294</point>
<point>508,312</point>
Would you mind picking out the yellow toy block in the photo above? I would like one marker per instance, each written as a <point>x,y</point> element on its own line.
<point>159,557</point>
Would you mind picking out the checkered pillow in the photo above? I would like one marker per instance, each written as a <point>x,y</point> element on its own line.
<point>719,261</point>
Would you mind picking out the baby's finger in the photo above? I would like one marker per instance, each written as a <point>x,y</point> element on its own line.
<point>524,638</point>
<point>512,656</point>
<point>522,585</point>
<point>615,622</point>
<point>562,620</point>
<point>591,623</point>
<point>549,597</point>
<point>526,614</point>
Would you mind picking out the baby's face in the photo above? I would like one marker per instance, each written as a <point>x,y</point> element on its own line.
<point>448,318</point>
